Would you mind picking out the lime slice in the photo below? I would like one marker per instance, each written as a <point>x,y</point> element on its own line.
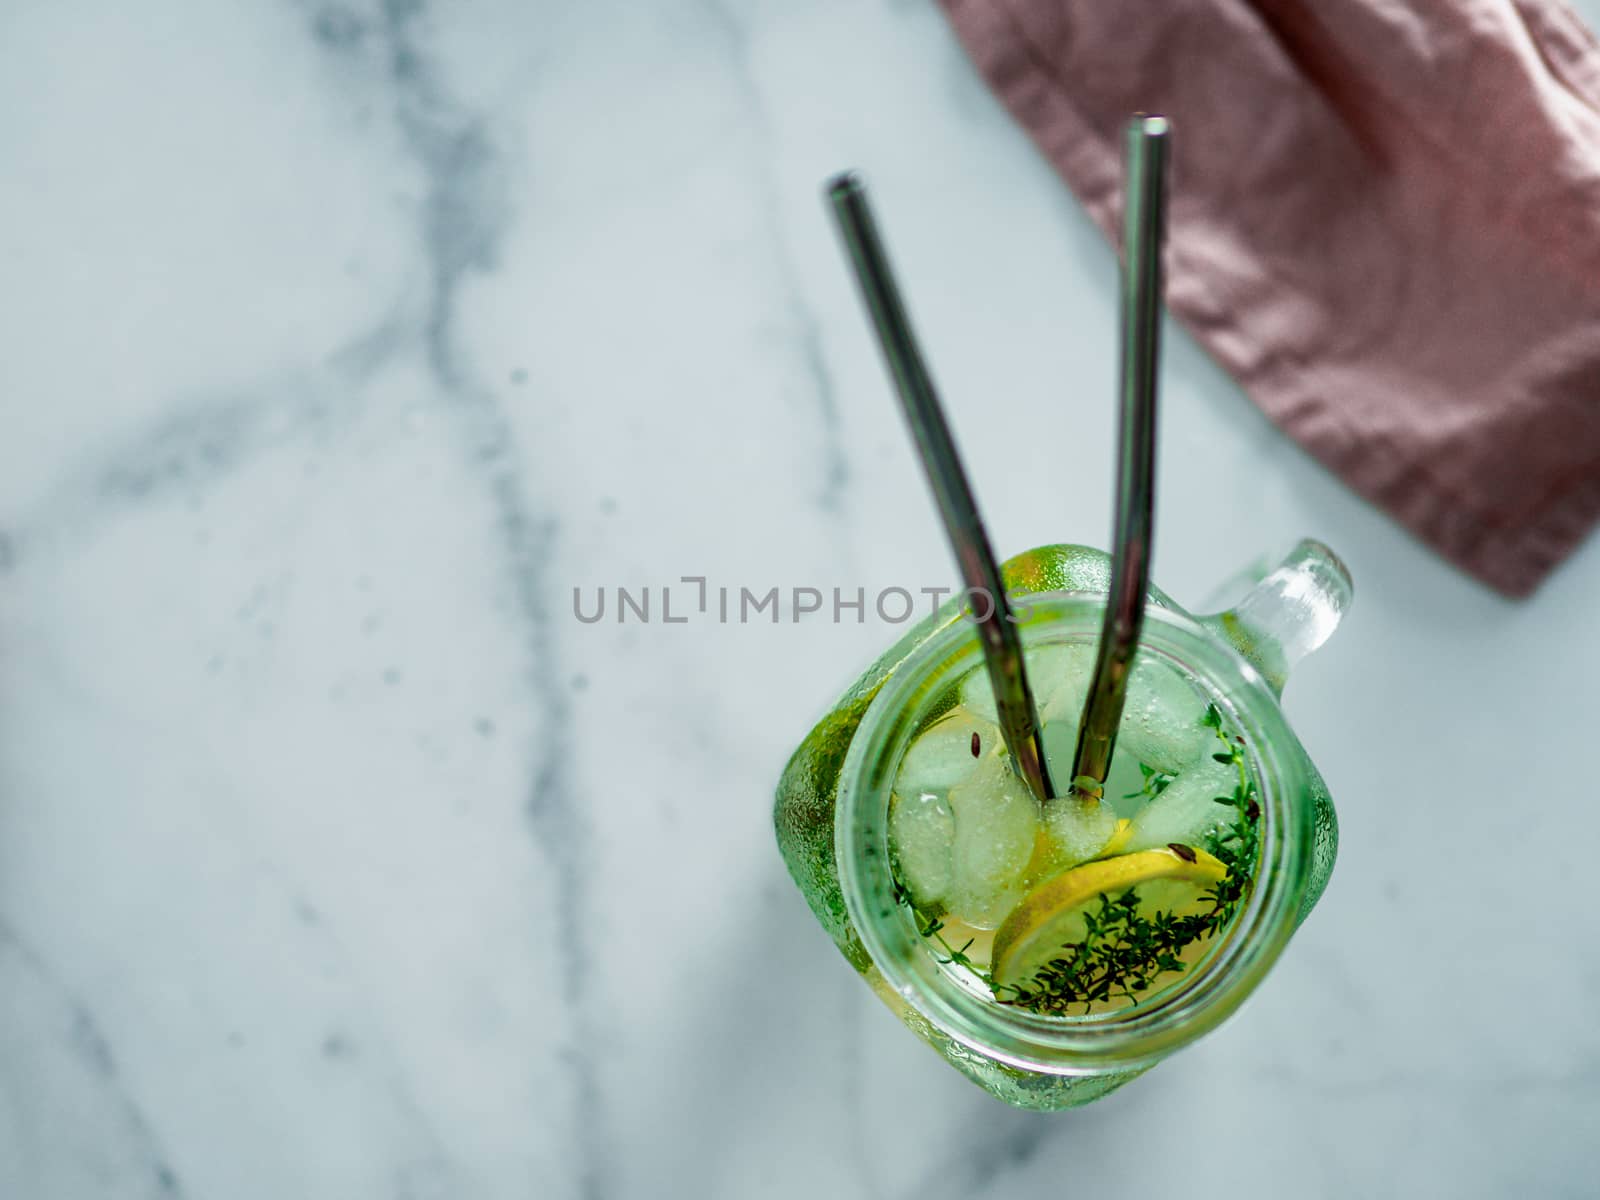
<point>1048,925</point>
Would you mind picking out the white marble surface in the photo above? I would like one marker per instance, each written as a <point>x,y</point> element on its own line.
<point>338,860</point>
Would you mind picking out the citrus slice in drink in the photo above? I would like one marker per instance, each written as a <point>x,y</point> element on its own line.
<point>1052,922</point>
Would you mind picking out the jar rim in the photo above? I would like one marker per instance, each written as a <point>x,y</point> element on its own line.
<point>1209,991</point>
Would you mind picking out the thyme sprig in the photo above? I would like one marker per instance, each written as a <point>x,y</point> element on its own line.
<point>1155,782</point>
<point>1238,844</point>
<point>1123,951</point>
<point>931,926</point>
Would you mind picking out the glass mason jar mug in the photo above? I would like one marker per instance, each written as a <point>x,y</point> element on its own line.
<point>833,819</point>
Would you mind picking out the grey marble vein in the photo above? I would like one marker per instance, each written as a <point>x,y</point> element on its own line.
<point>806,337</point>
<point>73,1021</point>
<point>338,859</point>
<point>995,1144</point>
<point>463,214</point>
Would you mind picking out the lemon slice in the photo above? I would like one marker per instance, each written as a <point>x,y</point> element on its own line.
<point>1050,919</point>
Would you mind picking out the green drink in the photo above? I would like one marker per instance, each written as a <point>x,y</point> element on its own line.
<point>1054,951</point>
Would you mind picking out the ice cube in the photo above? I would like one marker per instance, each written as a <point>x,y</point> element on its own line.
<point>1186,811</point>
<point>1060,717</point>
<point>996,826</point>
<point>977,694</point>
<point>1075,831</point>
<point>1163,719</point>
<point>1053,669</point>
<point>922,832</point>
<point>942,757</point>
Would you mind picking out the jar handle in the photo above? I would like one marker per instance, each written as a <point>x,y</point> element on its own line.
<point>1291,612</point>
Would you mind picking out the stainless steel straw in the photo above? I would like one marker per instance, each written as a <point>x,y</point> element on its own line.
<point>1144,213</point>
<point>1002,650</point>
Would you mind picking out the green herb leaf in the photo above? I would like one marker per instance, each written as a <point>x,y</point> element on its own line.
<point>1124,952</point>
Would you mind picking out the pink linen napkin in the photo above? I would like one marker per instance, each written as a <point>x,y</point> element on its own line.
<point>1384,222</point>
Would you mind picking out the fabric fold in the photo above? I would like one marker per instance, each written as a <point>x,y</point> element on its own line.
<point>1384,222</point>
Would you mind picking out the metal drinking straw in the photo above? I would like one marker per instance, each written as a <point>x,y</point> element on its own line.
<point>1002,650</point>
<point>1144,215</point>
